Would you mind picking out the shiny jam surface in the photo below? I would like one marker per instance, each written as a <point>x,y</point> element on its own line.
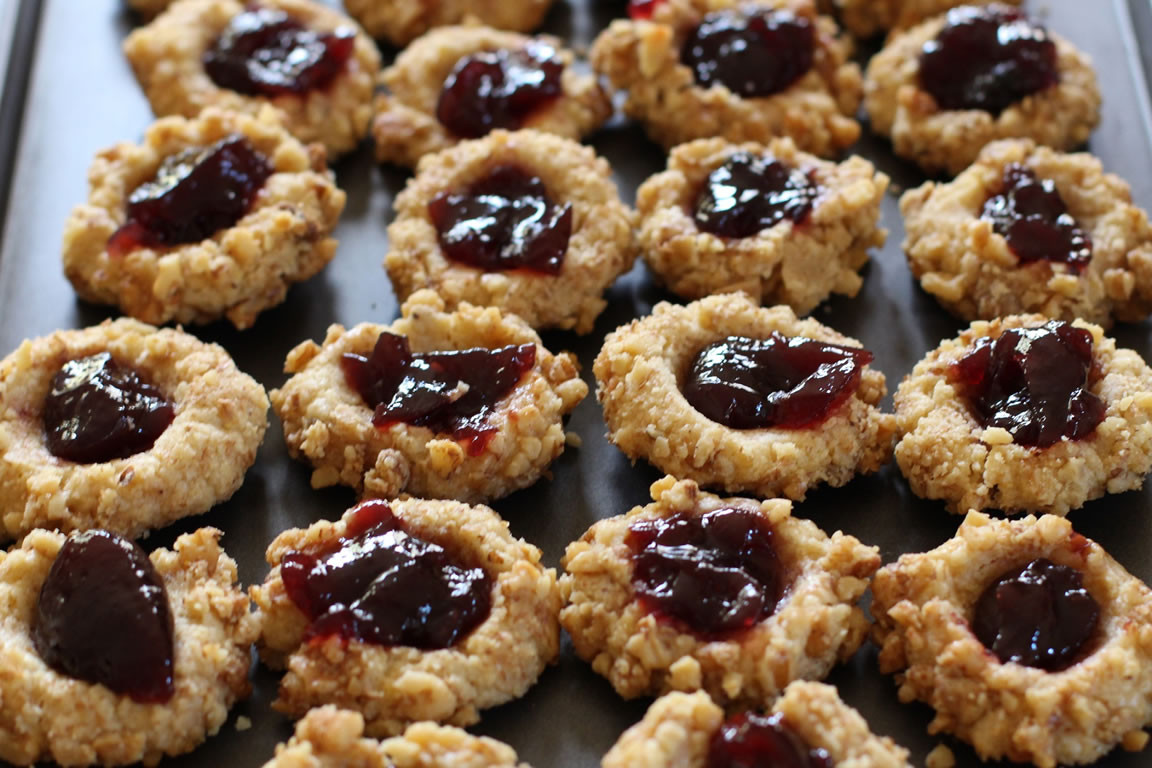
<point>103,617</point>
<point>381,585</point>
<point>266,52</point>
<point>452,393</point>
<point>1032,382</point>
<point>987,57</point>
<point>640,10</point>
<point>503,221</point>
<point>751,53</point>
<point>787,383</point>
<point>98,410</point>
<point>750,193</point>
<point>717,572</point>
<point>194,194</point>
<point>1030,214</point>
<point>751,740</point>
<point>1039,615</point>
<point>499,89</point>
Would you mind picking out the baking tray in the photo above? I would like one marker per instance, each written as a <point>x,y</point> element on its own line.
<point>69,92</point>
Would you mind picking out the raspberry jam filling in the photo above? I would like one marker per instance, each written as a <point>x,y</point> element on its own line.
<point>1032,382</point>
<point>382,585</point>
<point>452,393</point>
<point>1032,217</point>
<point>266,52</point>
<point>787,383</point>
<point>717,572</point>
<point>751,740</point>
<point>751,53</point>
<point>1039,615</point>
<point>641,10</point>
<point>503,221</point>
<point>499,89</point>
<point>103,617</point>
<point>750,193</point>
<point>98,410</point>
<point>987,57</point>
<point>194,194</point>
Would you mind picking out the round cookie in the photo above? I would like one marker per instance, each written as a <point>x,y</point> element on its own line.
<point>198,461</point>
<point>865,18</point>
<point>402,21</point>
<point>237,272</point>
<point>794,263</point>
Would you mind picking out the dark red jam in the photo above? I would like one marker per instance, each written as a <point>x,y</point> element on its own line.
<point>751,53</point>
<point>103,617</point>
<point>787,383</point>
<point>452,393</point>
<point>499,89</point>
<point>266,52</point>
<point>98,410</point>
<point>1032,382</point>
<point>750,193</point>
<point>1032,217</point>
<point>381,585</point>
<point>1039,615</point>
<point>640,10</point>
<point>750,740</point>
<point>195,194</point>
<point>503,221</point>
<point>987,57</point>
<point>717,572</point>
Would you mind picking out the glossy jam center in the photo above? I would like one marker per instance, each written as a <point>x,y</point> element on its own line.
<point>499,89</point>
<point>716,572</point>
<point>1039,615</point>
<point>1032,382</point>
<point>754,53</point>
<point>103,617</point>
<point>194,194</point>
<point>266,52</point>
<point>449,392</point>
<point>751,740</point>
<point>987,57</point>
<point>750,193</point>
<point>503,221</point>
<point>1032,217</point>
<point>99,410</point>
<point>787,383</point>
<point>640,10</point>
<point>382,585</point>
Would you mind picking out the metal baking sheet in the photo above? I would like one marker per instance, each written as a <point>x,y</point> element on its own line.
<point>69,92</point>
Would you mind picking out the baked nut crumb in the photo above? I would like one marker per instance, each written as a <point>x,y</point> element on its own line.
<point>198,461</point>
<point>402,21</point>
<point>167,57</point>
<point>941,756</point>
<point>284,238</point>
<point>945,453</point>
<point>865,18</point>
<point>406,127</point>
<point>50,716</point>
<point>815,624</point>
<point>787,263</point>
<point>923,604</point>
<point>393,687</point>
<point>638,373</point>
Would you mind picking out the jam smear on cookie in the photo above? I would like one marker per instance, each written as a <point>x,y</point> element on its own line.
<point>1039,615</point>
<point>717,572</point>
<point>987,57</point>
<point>752,53</point>
<point>780,382</point>
<point>194,194</point>
<point>103,617</point>
<point>451,392</point>
<point>503,221</point>
<point>641,10</point>
<point>499,89</point>
<point>1032,382</point>
<point>266,52</point>
<point>382,585</point>
<point>751,740</point>
<point>99,410</point>
<point>1032,217</point>
<point>750,193</point>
